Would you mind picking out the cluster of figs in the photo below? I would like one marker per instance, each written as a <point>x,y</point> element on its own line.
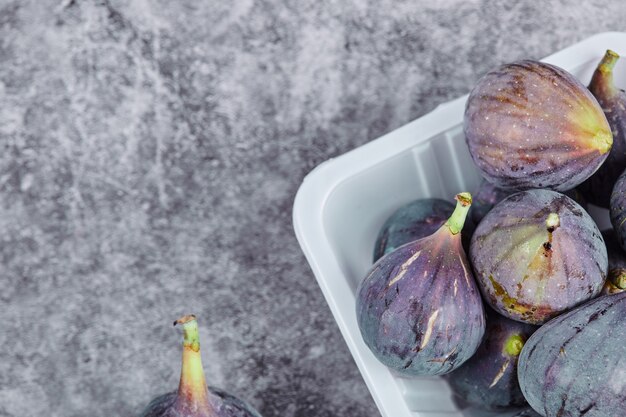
<point>528,308</point>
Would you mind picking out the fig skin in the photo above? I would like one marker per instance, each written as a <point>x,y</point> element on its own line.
<point>537,254</point>
<point>489,378</point>
<point>617,210</point>
<point>574,364</point>
<point>193,398</point>
<point>533,125</point>
<point>597,189</point>
<point>418,309</point>
<point>226,405</point>
<point>488,195</point>
<point>616,276</point>
<point>413,221</point>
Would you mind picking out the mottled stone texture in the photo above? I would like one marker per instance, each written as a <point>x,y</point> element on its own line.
<point>150,153</point>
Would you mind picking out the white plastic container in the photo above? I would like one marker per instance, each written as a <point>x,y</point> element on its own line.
<point>342,204</point>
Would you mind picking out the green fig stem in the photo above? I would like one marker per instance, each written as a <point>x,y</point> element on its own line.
<point>192,390</point>
<point>608,61</point>
<point>457,220</point>
<point>513,345</point>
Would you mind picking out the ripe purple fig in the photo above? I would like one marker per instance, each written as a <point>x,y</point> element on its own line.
<point>616,276</point>
<point>418,309</point>
<point>537,254</point>
<point>194,398</point>
<point>489,378</point>
<point>533,125</point>
<point>597,189</point>
<point>413,221</point>
<point>574,364</point>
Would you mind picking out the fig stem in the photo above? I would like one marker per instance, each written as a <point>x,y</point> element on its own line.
<point>513,345</point>
<point>602,86</point>
<point>552,222</point>
<point>457,220</point>
<point>192,390</point>
<point>608,61</point>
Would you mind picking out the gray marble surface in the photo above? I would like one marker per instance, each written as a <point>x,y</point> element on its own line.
<point>150,154</point>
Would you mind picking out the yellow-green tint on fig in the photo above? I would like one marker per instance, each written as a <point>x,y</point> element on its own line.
<point>590,128</point>
<point>457,220</point>
<point>514,344</point>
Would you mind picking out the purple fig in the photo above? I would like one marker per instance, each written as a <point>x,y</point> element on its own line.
<point>537,254</point>
<point>418,309</point>
<point>616,276</point>
<point>487,196</point>
<point>194,398</point>
<point>533,125</point>
<point>489,378</point>
<point>574,364</point>
<point>597,189</point>
<point>617,209</point>
<point>413,221</point>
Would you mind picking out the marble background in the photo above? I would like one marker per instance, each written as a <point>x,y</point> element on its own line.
<point>150,154</point>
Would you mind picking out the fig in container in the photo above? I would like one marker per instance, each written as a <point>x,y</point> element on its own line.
<point>616,276</point>
<point>617,210</point>
<point>413,221</point>
<point>537,254</point>
<point>574,365</point>
<point>418,309</point>
<point>193,398</point>
<point>529,124</point>
<point>597,189</point>
<point>489,378</point>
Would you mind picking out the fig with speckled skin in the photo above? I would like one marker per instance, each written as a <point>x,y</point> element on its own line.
<point>413,221</point>
<point>533,125</point>
<point>574,365</point>
<point>489,378</point>
<point>537,254</point>
<point>193,398</point>
<point>616,276</point>
<point>488,195</point>
<point>418,309</point>
<point>617,209</point>
<point>597,189</point>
